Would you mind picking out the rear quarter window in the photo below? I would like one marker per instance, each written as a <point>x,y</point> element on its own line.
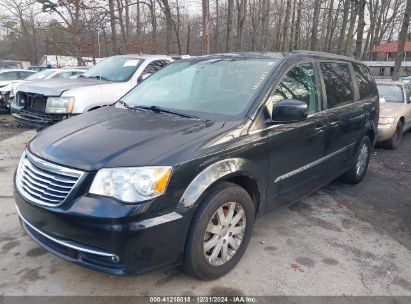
<point>338,83</point>
<point>365,82</point>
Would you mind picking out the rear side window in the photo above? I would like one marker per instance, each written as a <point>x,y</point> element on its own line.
<point>365,81</point>
<point>338,83</point>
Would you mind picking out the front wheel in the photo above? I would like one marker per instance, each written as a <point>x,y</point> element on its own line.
<point>357,171</point>
<point>396,139</point>
<point>221,230</point>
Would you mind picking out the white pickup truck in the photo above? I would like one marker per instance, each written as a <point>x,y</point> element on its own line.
<point>42,103</point>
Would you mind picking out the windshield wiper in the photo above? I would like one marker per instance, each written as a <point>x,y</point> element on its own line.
<point>158,109</point>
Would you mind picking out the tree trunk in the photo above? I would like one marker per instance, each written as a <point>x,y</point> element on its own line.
<point>206,19</point>
<point>121,21</point>
<point>114,43</point>
<point>265,14</point>
<point>314,29</point>
<point>138,19</point>
<point>217,27</point>
<point>241,14</point>
<point>230,4</point>
<point>401,41</point>
<point>292,26</point>
<point>188,39</point>
<point>169,22</point>
<point>341,39</point>
<point>329,26</point>
<point>360,29</point>
<point>298,26</point>
<point>286,26</point>
<point>350,33</point>
<point>153,25</point>
<point>127,16</point>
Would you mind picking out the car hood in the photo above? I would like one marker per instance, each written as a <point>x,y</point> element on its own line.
<point>5,82</point>
<point>388,109</point>
<point>55,87</point>
<point>9,87</point>
<point>113,137</point>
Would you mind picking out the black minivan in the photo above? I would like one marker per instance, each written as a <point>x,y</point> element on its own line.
<point>180,168</point>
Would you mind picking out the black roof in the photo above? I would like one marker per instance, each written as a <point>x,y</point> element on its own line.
<point>273,55</point>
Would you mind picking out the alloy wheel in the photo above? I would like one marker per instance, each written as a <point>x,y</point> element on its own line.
<point>362,160</point>
<point>224,233</point>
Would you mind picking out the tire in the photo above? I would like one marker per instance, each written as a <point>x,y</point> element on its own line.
<point>362,157</point>
<point>219,200</point>
<point>396,139</point>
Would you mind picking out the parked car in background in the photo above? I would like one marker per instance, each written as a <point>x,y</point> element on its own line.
<point>38,68</point>
<point>8,92</point>
<point>395,114</point>
<point>7,78</point>
<point>406,79</point>
<point>43,103</point>
<point>10,64</point>
<point>179,169</point>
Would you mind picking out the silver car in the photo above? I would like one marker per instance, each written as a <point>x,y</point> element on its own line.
<point>43,103</point>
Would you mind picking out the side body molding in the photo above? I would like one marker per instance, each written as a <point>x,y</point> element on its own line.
<point>207,177</point>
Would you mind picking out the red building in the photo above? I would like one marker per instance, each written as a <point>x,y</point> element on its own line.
<point>388,51</point>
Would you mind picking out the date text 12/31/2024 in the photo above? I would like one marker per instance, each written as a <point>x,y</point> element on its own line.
<point>203,299</point>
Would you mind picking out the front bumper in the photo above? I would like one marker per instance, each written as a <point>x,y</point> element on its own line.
<point>385,132</point>
<point>36,120</point>
<point>120,246</point>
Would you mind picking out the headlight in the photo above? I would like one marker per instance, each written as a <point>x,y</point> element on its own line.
<point>386,120</point>
<point>60,105</point>
<point>131,185</point>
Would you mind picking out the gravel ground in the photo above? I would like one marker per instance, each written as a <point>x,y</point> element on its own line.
<point>342,240</point>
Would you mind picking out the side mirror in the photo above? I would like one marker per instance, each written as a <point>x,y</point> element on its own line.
<point>289,110</point>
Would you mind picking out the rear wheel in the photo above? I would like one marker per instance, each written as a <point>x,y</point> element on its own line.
<point>220,232</point>
<point>357,171</point>
<point>396,139</point>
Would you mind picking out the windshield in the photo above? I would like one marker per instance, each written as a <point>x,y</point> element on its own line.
<point>209,86</point>
<point>118,69</point>
<point>391,93</point>
<point>40,75</point>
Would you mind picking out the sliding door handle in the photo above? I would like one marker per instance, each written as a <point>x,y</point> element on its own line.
<point>320,128</point>
<point>335,123</point>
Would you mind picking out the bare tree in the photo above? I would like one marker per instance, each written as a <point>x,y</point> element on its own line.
<point>314,29</point>
<point>206,20</point>
<point>230,5</point>
<point>241,15</point>
<point>401,41</point>
<point>360,29</point>
<point>286,27</point>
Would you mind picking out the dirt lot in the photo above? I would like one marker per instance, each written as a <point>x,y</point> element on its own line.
<point>343,240</point>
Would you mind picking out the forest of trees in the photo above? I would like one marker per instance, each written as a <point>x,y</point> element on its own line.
<point>31,28</point>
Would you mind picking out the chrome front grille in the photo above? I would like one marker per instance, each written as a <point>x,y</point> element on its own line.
<point>45,183</point>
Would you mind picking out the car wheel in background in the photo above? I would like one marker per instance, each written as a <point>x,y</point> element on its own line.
<point>221,230</point>
<point>396,139</point>
<point>357,171</point>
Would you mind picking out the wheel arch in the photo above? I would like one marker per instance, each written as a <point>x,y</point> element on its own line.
<point>232,170</point>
